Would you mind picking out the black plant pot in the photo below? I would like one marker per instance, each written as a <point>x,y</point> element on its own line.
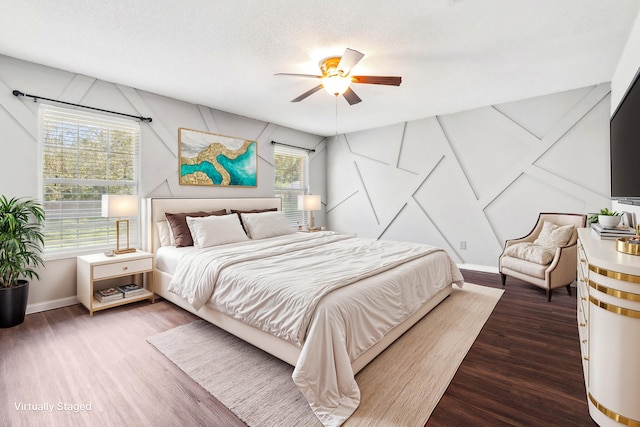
<point>13,304</point>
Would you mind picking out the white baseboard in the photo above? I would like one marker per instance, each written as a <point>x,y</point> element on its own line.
<point>476,267</point>
<point>50,305</point>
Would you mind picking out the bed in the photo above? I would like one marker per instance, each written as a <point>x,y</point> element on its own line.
<point>328,336</point>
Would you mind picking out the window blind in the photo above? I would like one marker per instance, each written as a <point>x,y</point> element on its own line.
<point>85,155</point>
<point>291,180</point>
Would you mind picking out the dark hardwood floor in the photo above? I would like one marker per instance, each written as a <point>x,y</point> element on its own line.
<point>523,370</point>
<point>525,367</point>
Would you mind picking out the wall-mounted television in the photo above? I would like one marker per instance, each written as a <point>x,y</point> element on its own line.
<point>625,146</point>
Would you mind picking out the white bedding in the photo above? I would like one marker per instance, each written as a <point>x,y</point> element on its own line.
<point>295,287</point>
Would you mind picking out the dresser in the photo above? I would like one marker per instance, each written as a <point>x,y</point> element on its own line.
<point>608,315</point>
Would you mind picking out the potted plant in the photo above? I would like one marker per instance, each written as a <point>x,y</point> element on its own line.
<point>606,218</point>
<point>21,242</point>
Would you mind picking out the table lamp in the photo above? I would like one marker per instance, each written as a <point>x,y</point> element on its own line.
<point>309,203</point>
<point>120,206</point>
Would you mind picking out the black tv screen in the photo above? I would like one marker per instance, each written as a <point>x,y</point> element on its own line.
<point>625,146</point>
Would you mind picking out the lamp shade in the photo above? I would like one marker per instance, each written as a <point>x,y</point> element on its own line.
<point>119,205</point>
<point>309,202</point>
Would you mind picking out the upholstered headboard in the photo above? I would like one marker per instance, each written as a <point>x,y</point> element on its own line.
<point>155,209</point>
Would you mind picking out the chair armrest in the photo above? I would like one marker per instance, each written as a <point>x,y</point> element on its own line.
<point>563,267</point>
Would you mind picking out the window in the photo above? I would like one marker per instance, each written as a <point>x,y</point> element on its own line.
<point>85,155</point>
<point>291,176</point>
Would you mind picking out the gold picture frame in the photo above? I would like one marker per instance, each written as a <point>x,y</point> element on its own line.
<point>216,160</point>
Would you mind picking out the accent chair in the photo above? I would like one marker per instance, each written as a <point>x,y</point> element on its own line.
<point>547,256</point>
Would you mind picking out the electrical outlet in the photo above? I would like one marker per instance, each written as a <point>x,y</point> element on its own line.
<point>463,244</point>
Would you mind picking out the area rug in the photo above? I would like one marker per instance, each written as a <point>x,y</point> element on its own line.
<point>400,387</point>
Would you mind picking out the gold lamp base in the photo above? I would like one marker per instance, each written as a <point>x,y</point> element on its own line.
<point>126,250</point>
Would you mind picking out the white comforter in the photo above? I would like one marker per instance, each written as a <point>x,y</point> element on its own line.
<point>295,287</point>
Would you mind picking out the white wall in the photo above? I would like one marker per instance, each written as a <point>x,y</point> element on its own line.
<point>479,176</point>
<point>159,169</point>
<point>623,76</point>
<point>627,66</point>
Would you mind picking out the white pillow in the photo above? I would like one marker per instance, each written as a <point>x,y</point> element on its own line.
<point>215,230</point>
<point>553,235</point>
<point>531,252</point>
<point>165,234</point>
<point>266,224</point>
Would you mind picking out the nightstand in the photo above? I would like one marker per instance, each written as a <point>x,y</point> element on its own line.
<point>98,272</point>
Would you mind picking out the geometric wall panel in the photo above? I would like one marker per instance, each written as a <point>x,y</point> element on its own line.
<point>381,185</point>
<point>591,174</point>
<point>423,230</point>
<point>417,135</point>
<point>379,144</point>
<point>515,212</point>
<point>484,140</point>
<point>453,210</point>
<point>482,175</point>
<point>548,109</point>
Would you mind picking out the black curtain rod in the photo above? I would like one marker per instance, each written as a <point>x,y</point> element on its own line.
<point>309,150</point>
<point>35,99</point>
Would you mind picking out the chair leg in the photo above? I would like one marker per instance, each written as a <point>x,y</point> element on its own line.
<point>503,278</point>
<point>569,289</point>
<point>549,291</point>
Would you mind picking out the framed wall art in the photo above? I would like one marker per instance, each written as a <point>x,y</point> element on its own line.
<point>211,159</point>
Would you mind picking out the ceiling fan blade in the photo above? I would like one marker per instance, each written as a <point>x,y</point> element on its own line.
<point>307,93</point>
<point>298,75</point>
<point>377,80</point>
<point>351,96</point>
<point>349,59</point>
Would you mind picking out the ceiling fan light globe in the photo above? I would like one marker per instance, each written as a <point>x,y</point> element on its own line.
<point>336,84</point>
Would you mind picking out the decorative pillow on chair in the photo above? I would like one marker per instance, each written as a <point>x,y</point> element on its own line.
<point>531,252</point>
<point>553,235</point>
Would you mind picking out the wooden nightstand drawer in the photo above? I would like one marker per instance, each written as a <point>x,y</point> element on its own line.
<point>122,268</point>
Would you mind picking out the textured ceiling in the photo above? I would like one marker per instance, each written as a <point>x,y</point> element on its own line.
<point>453,55</point>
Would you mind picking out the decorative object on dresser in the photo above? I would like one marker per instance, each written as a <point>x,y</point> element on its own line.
<point>605,212</point>
<point>96,274</point>
<point>629,219</point>
<point>607,218</point>
<point>629,245</point>
<point>21,241</point>
<point>611,233</point>
<point>120,206</point>
<point>546,257</point>
<point>608,316</point>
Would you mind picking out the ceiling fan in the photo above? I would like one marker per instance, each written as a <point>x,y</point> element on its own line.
<point>336,77</point>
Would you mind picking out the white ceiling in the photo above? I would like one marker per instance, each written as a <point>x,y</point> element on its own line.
<point>453,55</point>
